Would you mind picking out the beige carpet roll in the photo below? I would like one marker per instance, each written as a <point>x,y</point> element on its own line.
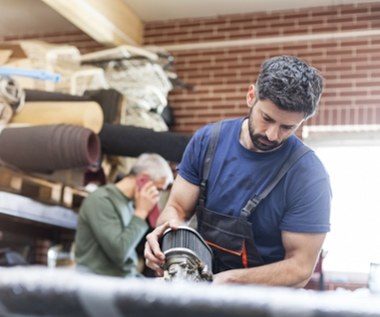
<point>87,114</point>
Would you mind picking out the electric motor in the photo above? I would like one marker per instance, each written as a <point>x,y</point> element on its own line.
<point>188,257</point>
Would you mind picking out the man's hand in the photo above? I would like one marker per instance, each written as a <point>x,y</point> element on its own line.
<point>301,254</point>
<point>145,199</point>
<point>154,257</point>
<point>179,209</point>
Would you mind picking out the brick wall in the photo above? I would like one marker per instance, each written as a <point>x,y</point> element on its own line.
<point>221,56</point>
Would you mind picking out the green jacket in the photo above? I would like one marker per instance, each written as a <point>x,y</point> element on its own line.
<point>108,233</point>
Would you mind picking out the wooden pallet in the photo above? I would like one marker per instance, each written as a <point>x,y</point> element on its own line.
<point>73,197</point>
<point>48,192</point>
<point>29,186</point>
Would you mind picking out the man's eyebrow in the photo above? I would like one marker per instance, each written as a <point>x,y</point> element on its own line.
<point>286,126</point>
<point>267,116</point>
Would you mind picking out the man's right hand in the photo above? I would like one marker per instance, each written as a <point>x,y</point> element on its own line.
<point>154,257</point>
<point>146,198</point>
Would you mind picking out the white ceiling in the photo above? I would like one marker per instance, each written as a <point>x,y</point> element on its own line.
<point>159,10</point>
<point>33,16</point>
<point>30,17</point>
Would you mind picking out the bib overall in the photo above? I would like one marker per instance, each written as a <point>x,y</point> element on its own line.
<point>231,238</point>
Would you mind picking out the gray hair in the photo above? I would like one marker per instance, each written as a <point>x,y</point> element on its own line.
<point>154,165</point>
<point>291,84</point>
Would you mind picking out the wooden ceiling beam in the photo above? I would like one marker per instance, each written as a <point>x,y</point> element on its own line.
<point>109,22</point>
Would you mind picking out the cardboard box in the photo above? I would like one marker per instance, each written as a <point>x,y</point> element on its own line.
<point>10,51</point>
<point>4,56</point>
<point>12,55</point>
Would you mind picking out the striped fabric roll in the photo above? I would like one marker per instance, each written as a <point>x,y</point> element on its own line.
<point>47,148</point>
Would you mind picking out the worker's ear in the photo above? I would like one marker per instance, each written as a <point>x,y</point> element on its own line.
<point>251,96</point>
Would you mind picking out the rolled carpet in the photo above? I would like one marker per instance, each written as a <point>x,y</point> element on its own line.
<point>131,141</point>
<point>49,147</point>
<point>87,114</point>
<point>109,99</point>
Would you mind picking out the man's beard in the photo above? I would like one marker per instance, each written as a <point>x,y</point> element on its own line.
<point>261,142</point>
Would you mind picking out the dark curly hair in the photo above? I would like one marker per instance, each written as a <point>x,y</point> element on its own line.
<point>291,84</point>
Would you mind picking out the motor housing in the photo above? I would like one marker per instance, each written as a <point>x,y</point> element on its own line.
<point>188,257</point>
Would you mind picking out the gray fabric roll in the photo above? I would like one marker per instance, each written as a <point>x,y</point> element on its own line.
<point>31,291</point>
<point>49,147</point>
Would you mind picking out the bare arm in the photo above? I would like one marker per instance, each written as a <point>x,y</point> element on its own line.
<point>181,203</point>
<point>179,208</point>
<point>301,254</point>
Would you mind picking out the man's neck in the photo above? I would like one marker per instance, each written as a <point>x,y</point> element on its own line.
<point>127,186</point>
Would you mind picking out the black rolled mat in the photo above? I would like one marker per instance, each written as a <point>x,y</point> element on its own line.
<point>131,141</point>
<point>47,148</point>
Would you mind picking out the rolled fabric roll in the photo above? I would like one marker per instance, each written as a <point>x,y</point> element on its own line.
<point>43,149</point>
<point>132,141</point>
<point>87,114</point>
<point>109,99</point>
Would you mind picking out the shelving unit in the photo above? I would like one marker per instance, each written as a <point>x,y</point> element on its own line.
<point>31,228</point>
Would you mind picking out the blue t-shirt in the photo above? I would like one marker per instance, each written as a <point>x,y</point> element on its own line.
<point>299,203</point>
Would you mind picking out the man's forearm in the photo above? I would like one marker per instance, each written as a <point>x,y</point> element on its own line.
<point>283,273</point>
<point>170,213</point>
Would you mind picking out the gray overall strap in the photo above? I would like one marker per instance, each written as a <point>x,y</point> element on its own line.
<point>251,205</point>
<point>214,137</point>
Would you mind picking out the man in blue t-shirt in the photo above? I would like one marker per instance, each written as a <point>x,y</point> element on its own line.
<point>279,241</point>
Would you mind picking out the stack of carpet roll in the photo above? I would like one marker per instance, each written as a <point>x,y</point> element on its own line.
<point>56,131</point>
<point>53,145</point>
<point>48,135</point>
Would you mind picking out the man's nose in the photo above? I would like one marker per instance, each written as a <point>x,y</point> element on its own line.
<point>272,133</point>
